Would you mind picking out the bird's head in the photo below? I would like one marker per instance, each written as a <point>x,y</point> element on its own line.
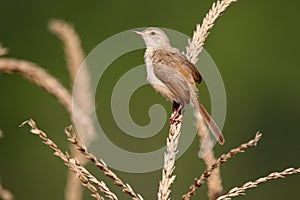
<point>154,38</point>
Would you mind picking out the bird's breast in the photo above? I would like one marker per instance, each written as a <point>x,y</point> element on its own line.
<point>151,77</point>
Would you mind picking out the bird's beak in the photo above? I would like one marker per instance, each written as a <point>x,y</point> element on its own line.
<point>139,33</point>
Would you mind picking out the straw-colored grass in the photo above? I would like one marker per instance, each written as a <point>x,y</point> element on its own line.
<point>222,159</point>
<point>202,31</point>
<point>236,191</point>
<point>169,159</point>
<point>40,77</point>
<point>3,50</point>
<point>5,194</point>
<point>72,46</point>
<point>192,51</point>
<point>74,57</point>
<point>84,176</point>
<point>75,162</point>
<point>214,182</point>
<point>100,164</point>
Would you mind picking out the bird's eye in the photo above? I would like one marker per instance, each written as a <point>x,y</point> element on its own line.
<point>152,33</point>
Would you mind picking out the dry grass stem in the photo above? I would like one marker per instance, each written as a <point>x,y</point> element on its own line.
<point>38,76</point>
<point>101,165</point>
<point>169,160</point>
<point>192,51</point>
<point>82,99</point>
<point>73,188</point>
<point>214,182</point>
<point>3,50</point>
<point>222,159</point>
<point>201,33</point>
<point>101,185</point>
<point>85,177</point>
<point>74,58</point>
<point>241,190</point>
<point>73,51</point>
<point>5,194</point>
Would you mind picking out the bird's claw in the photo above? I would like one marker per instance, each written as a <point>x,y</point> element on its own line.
<point>175,119</point>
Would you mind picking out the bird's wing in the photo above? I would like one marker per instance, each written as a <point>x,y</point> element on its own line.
<point>178,62</point>
<point>174,80</point>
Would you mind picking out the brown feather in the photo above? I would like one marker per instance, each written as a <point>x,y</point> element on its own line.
<point>177,61</point>
<point>213,127</point>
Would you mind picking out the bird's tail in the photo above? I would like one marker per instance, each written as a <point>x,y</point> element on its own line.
<point>213,127</point>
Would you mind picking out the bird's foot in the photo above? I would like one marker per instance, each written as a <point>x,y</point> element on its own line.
<point>175,116</point>
<point>176,120</point>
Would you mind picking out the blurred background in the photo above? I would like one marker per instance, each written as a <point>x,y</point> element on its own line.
<point>255,45</point>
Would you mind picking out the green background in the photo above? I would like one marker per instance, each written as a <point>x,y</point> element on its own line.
<point>255,44</point>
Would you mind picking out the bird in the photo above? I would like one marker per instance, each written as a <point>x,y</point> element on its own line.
<point>171,74</point>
